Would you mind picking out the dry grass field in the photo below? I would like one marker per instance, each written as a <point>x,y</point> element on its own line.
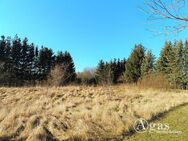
<point>79,113</point>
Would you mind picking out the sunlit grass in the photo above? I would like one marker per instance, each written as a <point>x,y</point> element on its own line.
<point>62,113</point>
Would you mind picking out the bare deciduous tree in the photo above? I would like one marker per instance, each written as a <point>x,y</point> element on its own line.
<point>173,10</point>
<point>58,75</point>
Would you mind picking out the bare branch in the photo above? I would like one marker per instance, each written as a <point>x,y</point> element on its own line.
<point>168,10</point>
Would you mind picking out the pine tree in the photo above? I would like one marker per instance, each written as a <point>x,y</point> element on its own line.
<point>30,67</point>
<point>69,66</point>
<point>8,67</point>
<point>117,69</point>
<point>185,66</point>
<point>46,60</point>
<point>148,63</point>
<point>2,49</point>
<point>59,58</point>
<point>175,76</point>
<point>15,61</point>
<point>2,53</point>
<point>36,68</point>
<point>114,70</point>
<point>133,65</point>
<point>23,61</point>
<point>65,61</point>
<point>2,58</point>
<point>163,63</point>
<point>103,73</point>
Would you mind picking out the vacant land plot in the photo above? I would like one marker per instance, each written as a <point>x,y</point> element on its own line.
<point>71,113</point>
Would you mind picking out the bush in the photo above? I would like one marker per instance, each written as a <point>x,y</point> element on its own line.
<point>155,81</point>
<point>55,76</point>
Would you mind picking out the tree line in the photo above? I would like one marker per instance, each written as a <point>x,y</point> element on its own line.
<point>22,63</point>
<point>172,64</point>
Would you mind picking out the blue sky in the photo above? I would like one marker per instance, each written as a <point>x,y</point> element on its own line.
<point>89,29</point>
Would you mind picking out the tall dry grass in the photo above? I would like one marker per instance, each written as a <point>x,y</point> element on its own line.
<point>78,113</point>
<point>155,81</point>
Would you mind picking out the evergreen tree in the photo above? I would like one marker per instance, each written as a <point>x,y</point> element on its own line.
<point>15,59</point>
<point>8,49</point>
<point>114,70</point>
<point>2,49</point>
<point>46,60</point>
<point>23,60</point>
<point>8,66</point>
<point>30,65</point>
<point>133,65</point>
<point>2,58</point>
<point>185,66</point>
<point>36,68</point>
<point>148,63</point>
<point>163,63</point>
<point>99,75</point>
<point>175,76</point>
<point>117,69</point>
<point>65,61</point>
<point>104,74</point>
<point>59,58</point>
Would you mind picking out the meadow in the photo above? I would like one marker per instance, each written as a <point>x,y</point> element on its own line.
<point>80,112</point>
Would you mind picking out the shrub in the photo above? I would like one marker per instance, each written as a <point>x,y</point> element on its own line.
<point>154,80</point>
<point>55,76</point>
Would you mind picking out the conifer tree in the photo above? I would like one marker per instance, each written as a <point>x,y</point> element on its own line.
<point>30,58</point>
<point>114,70</point>
<point>16,60</point>
<point>23,62</point>
<point>8,67</point>
<point>103,73</point>
<point>175,76</point>
<point>46,60</point>
<point>148,63</point>
<point>2,49</point>
<point>36,66</point>
<point>117,69</point>
<point>163,63</point>
<point>133,65</point>
<point>2,58</point>
<point>65,61</point>
<point>185,66</point>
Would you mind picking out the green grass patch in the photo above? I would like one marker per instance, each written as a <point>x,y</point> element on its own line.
<point>177,120</point>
